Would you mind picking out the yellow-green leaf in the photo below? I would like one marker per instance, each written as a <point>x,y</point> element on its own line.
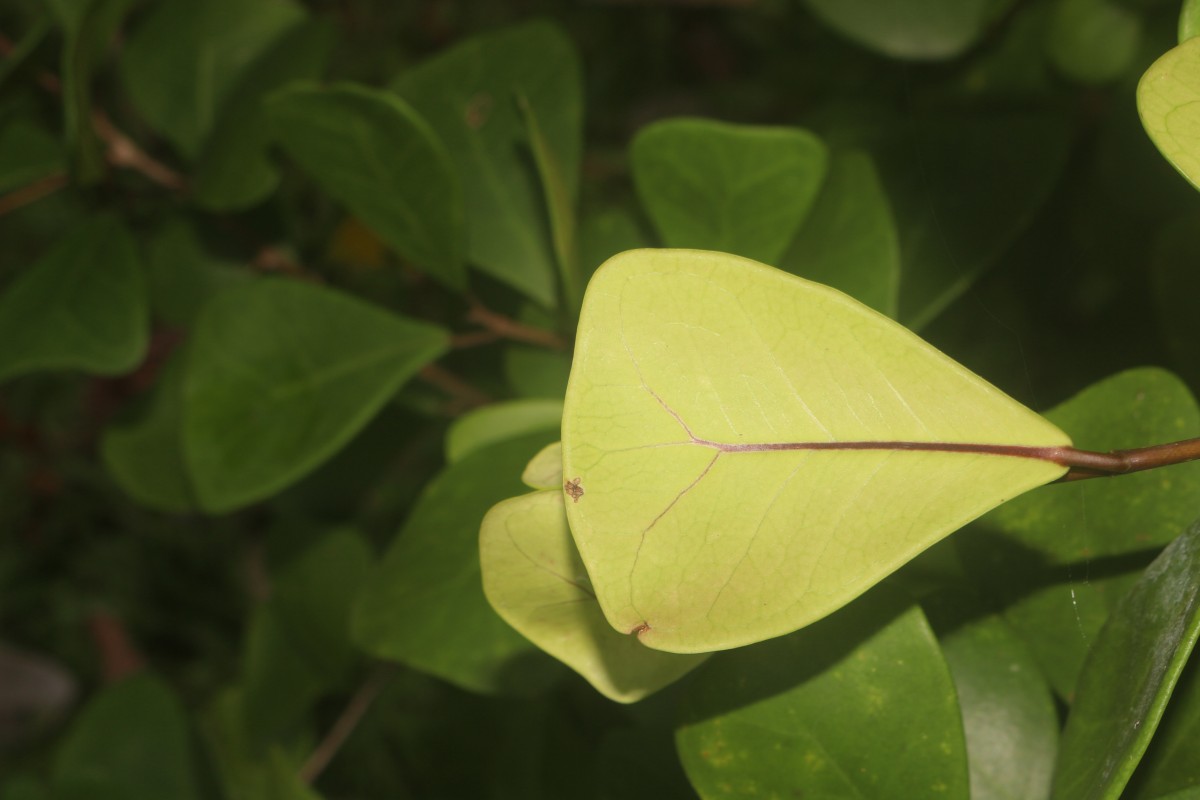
<point>534,579</point>
<point>755,450</point>
<point>1167,100</point>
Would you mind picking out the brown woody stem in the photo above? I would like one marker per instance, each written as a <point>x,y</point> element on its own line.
<point>1085,464</point>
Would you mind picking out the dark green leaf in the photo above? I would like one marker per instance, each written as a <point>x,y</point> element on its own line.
<point>1172,763</point>
<point>81,306</point>
<point>280,375</point>
<point>734,188</point>
<point>911,29</point>
<point>1130,674</point>
<point>824,712</point>
<point>233,170</point>
<point>375,155</point>
<point>1093,41</point>
<point>130,742</point>
<point>424,604</point>
<point>468,95</point>
<point>849,241</point>
<point>145,457</point>
<point>27,154</point>
<point>181,64</point>
<point>182,277</point>
<point>1008,712</point>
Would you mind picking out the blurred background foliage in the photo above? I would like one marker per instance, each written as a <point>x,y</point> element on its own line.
<point>1040,239</point>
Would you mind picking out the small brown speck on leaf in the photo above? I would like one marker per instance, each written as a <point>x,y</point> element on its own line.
<point>479,108</point>
<point>574,489</point>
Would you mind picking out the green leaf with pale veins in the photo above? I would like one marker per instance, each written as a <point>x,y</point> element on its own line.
<point>534,579</point>
<point>858,706</point>
<point>280,375</point>
<point>735,188</point>
<point>1129,675</point>
<point>744,441</point>
<point>1168,101</point>
<point>81,306</point>
<point>469,96</point>
<point>544,471</point>
<point>370,151</point>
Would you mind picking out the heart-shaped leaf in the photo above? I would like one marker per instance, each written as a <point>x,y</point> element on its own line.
<point>1168,101</point>
<point>534,579</point>
<point>281,374</point>
<point>754,450</point>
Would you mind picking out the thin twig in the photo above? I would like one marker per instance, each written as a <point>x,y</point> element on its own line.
<point>508,328</point>
<point>352,714</point>
<point>465,395</point>
<point>124,152</point>
<point>32,192</point>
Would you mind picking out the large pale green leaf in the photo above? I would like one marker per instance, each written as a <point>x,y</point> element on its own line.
<point>1064,553</point>
<point>424,604</point>
<point>1008,712</point>
<point>1129,675</point>
<point>129,742</point>
<point>911,29</point>
<point>185,58</point>
<point>374,154</point>
<point>469,96</point>
<point>849,240</point>
<point>534,579</point>
<point>735,188</point>
<point>711,422</point>
<point>857,706</point>
<point>81,306</point>
<point>280,375</point>
<point>1168,100</point>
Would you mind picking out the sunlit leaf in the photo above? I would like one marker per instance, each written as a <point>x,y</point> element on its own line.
<point>703,385</point>
<point>1168,100</point>
<point>534,579</point>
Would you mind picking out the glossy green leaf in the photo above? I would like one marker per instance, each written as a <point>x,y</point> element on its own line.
<point>1061,552</point>
<point>182,276</point>
<point>468,94</point>
<point>424,604</point>
<point>145,456</point>
<point>185,58</point>
<point>233,170</point>
<point>534,579</point>
<point>81,306</point>
<point>1130,674</point>
<point>498,422</point>
<point>910,29</point>
<point>1172,762</point>
<point>280,375</point>
<point>825,712</point>
<point>849,239</point>
<point>131,741</point>
<point>544,471</point>
<point>370,151</point>
<point>682,358</point>
<point>1167,101</point>
<point>1008,712</point>
<point>1094,41</point>
<point>734,188</point>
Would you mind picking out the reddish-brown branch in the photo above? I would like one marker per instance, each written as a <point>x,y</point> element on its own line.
<point>123,152</point>
<point>507,328</point>
<point>32,192</point>
<point>345,724</point>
